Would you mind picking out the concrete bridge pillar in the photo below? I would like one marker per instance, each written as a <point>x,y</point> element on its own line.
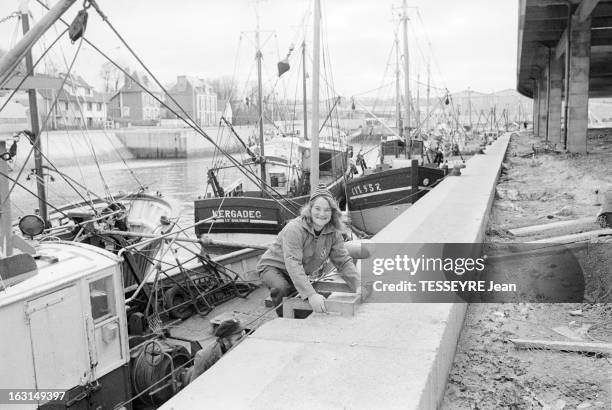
<point>536,107</point>
<point>543,103</point>
<point>578,103</point>
<point>554,107</point>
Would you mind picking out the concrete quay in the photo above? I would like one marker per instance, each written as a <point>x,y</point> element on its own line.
<point>67,147</point>
<point>391,356</point>
<point>157,143</point>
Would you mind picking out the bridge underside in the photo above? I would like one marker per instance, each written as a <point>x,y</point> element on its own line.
<point>564,58</point>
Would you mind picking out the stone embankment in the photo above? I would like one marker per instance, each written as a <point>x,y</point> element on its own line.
<point>68,147</point>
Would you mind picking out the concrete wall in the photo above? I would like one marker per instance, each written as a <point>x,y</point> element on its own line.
<point>176,142</point>
<point>65,148</point>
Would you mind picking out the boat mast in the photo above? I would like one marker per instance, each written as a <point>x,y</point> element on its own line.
<point>14,56</point>
<point>406,70</point>
<point>40,179</point>
<point>427,112</point>
<point>7,64</point>
<point>6,242</point>
<point>314,151</point>
<point>304,97</point>
<point>259,57</point>
<point>470,106</point>
<point>418,105</point>
<point>398,106</point>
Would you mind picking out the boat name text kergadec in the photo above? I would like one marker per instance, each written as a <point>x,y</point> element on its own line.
<point>237,213</point>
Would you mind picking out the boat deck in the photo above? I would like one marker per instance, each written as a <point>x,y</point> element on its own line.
<point>251,312</point>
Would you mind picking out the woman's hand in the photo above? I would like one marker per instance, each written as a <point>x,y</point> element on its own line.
<point>317,303</point>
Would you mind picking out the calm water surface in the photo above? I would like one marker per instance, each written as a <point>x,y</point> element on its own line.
<point>183,180</point>
<point>180,179</point>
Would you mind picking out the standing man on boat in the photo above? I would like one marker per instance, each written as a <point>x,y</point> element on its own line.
<point>361,161</point>
<point>352,166</point>
<point>301,249</point>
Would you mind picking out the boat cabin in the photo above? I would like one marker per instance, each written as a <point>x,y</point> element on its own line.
<point>393,149</point>
<point>65,326</point>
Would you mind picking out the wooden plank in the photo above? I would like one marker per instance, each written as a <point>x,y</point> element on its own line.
<point>585,347</point>
<point>528,230</point>
<point>343,303</point>
<point>585,236</point>
<point>332,286</point>
<point>338,302</point>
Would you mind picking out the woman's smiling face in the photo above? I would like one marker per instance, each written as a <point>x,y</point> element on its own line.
<point>321,212</point>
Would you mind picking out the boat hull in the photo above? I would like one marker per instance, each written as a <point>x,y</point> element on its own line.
<point>246,218</point>
<point>376,199</point>
<point>373,220</point>
<point>143,213</point>
<point>245,215</point>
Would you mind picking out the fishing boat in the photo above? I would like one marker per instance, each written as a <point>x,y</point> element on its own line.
<point>112,221</point>
<point>277,175</point>
<point>240,215</point>
<point>88,340</point>
<point>404,172</point>
<point>82,343</point>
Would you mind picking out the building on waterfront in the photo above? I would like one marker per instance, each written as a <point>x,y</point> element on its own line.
<point>78,105</point>
<point>196,97</point>
<point>14,117</point>
<point>132,105</point>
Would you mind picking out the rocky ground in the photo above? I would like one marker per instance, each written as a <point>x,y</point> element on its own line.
<point>537,186</point>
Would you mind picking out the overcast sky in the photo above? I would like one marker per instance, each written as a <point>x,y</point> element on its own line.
<point>473,42</point>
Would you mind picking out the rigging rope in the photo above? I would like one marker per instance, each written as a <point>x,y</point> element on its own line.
<point>43,128</point>
<point>30,72</point>
<point>16,182</point>
<point>15,14</point>
<point>63,54</point>
<point>191,123</point>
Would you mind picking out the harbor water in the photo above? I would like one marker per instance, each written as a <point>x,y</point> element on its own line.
<point>180,179</point>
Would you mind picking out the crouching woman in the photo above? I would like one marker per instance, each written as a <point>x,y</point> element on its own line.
<point>301,249</point>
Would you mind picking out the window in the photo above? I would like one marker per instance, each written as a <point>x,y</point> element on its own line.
<point>89,106</point>
<point>102,298</point>
<point>66,105</point>
<point>99,106</point>
<point>126,112</point>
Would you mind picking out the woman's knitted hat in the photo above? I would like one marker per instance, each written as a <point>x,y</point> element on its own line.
<point>321,190</point>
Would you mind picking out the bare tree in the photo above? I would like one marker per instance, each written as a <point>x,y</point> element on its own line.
<point>111,76</point>
<point>223,87</point>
